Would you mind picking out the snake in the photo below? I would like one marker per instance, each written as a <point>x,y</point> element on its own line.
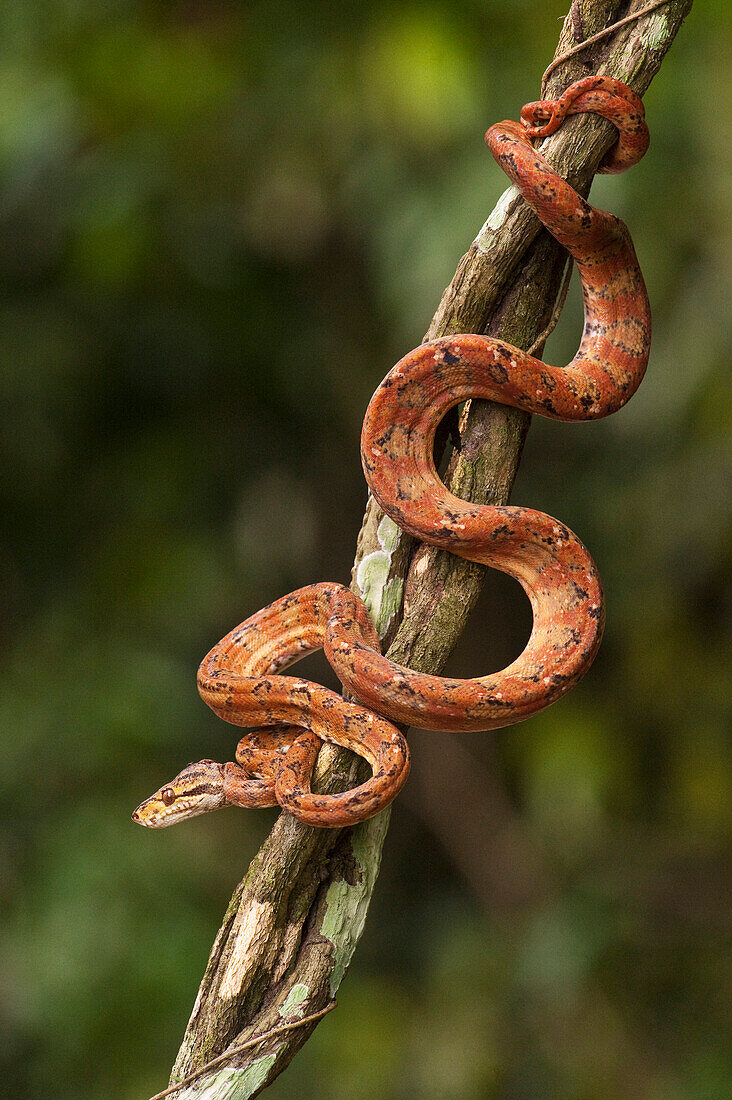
<point>288,718</point>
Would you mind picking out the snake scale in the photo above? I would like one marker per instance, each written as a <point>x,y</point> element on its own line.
<point>289,718</point>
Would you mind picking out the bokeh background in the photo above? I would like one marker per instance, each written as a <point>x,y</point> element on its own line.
<point>220,225</point>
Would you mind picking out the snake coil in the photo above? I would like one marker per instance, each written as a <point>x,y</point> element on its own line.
<point>240,678</point>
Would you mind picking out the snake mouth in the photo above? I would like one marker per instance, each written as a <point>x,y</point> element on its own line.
<point>150,814</point>
<point>139,817</point>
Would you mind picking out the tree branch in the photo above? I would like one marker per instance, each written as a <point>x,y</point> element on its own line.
<point>293,923</point>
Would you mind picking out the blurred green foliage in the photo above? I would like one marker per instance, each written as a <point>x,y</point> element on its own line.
<point>220,226</point>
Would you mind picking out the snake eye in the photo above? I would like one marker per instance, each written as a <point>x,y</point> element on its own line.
<point>168,796</point>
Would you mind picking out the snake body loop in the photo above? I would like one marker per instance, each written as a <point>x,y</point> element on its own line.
<point>240,678</point>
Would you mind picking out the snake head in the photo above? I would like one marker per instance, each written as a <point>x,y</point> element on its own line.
<point>198,789</point>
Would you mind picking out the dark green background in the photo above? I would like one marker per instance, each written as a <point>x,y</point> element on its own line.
<point>219,227</point>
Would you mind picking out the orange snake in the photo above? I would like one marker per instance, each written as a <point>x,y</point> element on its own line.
<point>240,677</point>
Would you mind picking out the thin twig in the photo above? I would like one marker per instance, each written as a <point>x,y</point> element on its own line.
<point>241,1047</point>
<point>597,37</point>
<point>544,336</point>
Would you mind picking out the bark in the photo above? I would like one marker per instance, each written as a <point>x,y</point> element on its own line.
<point>293,923</point>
